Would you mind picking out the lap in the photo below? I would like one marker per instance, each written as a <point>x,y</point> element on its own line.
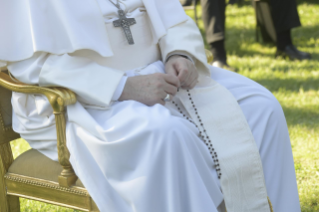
<point>258,104</point>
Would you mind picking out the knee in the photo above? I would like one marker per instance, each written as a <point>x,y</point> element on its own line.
<point>267,121</point>
<point>165,124</point>
<point>260,103</point>
<point>268,104</point>
<point>168,130</point>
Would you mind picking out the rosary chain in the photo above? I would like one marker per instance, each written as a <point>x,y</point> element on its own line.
<point>202,134</point>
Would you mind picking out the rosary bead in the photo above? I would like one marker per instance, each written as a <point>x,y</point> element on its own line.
<point>200,134</point>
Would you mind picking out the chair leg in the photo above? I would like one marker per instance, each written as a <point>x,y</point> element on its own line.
<point>7,203</point>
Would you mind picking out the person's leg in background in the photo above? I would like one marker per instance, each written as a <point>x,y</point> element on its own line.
<point>285,17</point>
<point>213,14</point>
<point>186,2</point>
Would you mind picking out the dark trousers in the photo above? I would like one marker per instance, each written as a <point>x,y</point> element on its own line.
<point>284,14</point>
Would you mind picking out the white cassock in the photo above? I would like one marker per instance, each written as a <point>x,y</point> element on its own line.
<point>132,157</point>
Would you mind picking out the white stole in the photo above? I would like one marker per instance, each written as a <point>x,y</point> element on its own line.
<point>242,179</point>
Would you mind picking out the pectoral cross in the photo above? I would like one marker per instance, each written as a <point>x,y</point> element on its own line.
<point>125,23</point>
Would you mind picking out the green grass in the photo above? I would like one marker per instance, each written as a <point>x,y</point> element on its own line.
<point>295,84</point>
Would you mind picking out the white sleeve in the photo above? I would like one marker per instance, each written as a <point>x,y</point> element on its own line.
<point>93,84</point>
<point>187,39</point>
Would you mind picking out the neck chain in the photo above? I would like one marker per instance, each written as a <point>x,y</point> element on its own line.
<point>124,22</point>
<point>117,4</point>
<point>202,134</point>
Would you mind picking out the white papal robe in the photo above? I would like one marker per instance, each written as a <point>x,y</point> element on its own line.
<point>132,157</point>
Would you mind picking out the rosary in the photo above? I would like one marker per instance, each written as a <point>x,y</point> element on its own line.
<point>202,134</point>
<point>124,22</point>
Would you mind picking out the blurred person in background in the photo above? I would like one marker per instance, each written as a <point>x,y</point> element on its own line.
<point>284,15</point>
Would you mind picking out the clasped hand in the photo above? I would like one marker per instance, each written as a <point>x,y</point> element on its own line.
<point>152,89</point>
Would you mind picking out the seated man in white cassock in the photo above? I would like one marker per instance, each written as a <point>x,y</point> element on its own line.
<point>155,128</point>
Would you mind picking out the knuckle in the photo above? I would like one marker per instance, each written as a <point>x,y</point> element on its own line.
<point>158,76</point>
<point>159,84</point>
<point>186,70</point>
<point>174,91</point>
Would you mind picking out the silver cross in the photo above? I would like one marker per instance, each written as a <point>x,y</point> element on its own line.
<point>125,23</point>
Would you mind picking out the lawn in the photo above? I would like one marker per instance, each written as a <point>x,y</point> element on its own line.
<point>295,84</point>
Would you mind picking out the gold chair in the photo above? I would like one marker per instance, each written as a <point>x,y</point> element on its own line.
<point>32,175</point>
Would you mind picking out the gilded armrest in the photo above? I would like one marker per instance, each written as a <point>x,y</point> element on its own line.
<point>58,98</point>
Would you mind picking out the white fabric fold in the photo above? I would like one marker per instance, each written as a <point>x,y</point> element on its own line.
<point>53,26</point>
<point>60,27</point>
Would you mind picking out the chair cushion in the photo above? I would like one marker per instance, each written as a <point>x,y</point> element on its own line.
<point>32,163</point>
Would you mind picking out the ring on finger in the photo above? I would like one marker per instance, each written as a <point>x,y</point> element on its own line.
<point>167,98</point>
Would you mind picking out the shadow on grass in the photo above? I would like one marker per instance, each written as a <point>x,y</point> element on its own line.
<point>275,84</point>
<point>302,117</point>
<point>236,38</point>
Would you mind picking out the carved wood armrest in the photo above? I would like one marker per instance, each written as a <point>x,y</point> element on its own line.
<point>59,98</point>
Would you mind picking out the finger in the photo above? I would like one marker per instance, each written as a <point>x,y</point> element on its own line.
<point>162,99</point>
<point>192,77</point>
<point>170,69</point>
<point>173,80</point>
<point>162,102</point>
<point>183,72</point>
<point>170,89</point>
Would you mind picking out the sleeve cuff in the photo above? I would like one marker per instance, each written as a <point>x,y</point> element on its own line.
<point>119,90</point>
<point>181,53</point>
